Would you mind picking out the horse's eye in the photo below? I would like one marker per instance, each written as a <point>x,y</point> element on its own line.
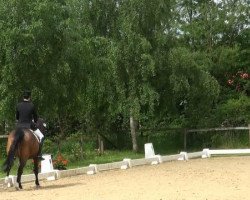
<point>44,124</point>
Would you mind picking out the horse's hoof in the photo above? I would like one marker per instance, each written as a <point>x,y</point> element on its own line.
<point>38,186</point>
<point>18,188</point>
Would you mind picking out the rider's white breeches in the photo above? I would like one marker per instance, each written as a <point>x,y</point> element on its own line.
<point>39,134</point>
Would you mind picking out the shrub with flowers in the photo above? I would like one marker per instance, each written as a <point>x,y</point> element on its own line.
<point>239,81</point>
<point>60,162</point>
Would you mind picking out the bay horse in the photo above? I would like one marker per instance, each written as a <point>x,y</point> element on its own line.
<point>24,145</point>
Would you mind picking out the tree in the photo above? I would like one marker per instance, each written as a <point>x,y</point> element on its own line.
<point>194,90</point>
<point>32,53</point>
<point>141,28</point>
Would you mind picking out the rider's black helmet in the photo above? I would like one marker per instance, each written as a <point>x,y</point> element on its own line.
<point>26,94</point>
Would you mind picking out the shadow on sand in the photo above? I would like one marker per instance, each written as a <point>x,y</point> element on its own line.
<point>42,187</point>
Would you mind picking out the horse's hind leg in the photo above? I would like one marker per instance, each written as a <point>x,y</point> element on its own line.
<point>8,172</point>
<point>22,163</point>
<point>36,171</point>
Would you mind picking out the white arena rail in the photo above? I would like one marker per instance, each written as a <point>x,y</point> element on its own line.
<point>124,164</point>
<point>207,152</point>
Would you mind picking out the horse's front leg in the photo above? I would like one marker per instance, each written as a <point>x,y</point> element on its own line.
<point>36,171</point>
<point>22,163</point>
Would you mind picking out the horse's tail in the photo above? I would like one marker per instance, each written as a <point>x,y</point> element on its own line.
<point>18,137</point>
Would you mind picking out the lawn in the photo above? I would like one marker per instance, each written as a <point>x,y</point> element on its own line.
<point>94,158</point>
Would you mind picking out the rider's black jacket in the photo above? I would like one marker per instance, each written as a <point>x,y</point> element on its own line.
<point>25,113</point>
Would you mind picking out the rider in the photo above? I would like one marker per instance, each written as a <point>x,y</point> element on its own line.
<point>25,114</point>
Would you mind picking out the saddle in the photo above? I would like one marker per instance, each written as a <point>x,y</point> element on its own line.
<point>38,139</point>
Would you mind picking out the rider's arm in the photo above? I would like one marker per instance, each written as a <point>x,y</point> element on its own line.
<point>35,117</point>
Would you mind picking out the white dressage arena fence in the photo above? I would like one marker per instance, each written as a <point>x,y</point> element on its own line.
<point>208,153</point>
<point>47,164</point>
<point>149,150</point>
<point>150,154</point>
<point>49,173</point>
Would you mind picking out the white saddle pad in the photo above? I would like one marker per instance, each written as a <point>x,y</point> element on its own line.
<point>38,139</point>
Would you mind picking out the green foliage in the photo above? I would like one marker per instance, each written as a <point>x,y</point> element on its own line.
<point>2,148</point>
<point>165,142</point>
<point>188,80</point>
<point>88,63</point>
<point>49,147</point>
<point>230,140</point>
<point>234,112</point>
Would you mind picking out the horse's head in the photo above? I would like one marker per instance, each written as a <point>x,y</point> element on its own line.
<point>41,124</point>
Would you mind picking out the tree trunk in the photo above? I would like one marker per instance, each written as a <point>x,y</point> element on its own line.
<point>249,133</point>
<point>100,144</point>
<point>3,128</point>
<point>133,133</point>
<point>81,145</point>
<point>61,136</point>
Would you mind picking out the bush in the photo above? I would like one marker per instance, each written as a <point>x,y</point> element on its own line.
<point>49,147</point>
<point>234,112</point>
<point>3,143</point>
<point>60,162</point>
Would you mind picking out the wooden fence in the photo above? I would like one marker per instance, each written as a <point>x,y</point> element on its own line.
<point>187,131</point>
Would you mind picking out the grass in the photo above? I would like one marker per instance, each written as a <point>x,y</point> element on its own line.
<point>93,158</point>
<point>107,157</point>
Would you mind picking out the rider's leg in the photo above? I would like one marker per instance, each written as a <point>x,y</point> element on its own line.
<point>40,150</point>
<point>41,137</point>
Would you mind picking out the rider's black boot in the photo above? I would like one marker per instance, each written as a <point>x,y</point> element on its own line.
<point>39,155</point>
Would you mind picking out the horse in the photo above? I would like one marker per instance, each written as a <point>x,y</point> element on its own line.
<point>24,145</point>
